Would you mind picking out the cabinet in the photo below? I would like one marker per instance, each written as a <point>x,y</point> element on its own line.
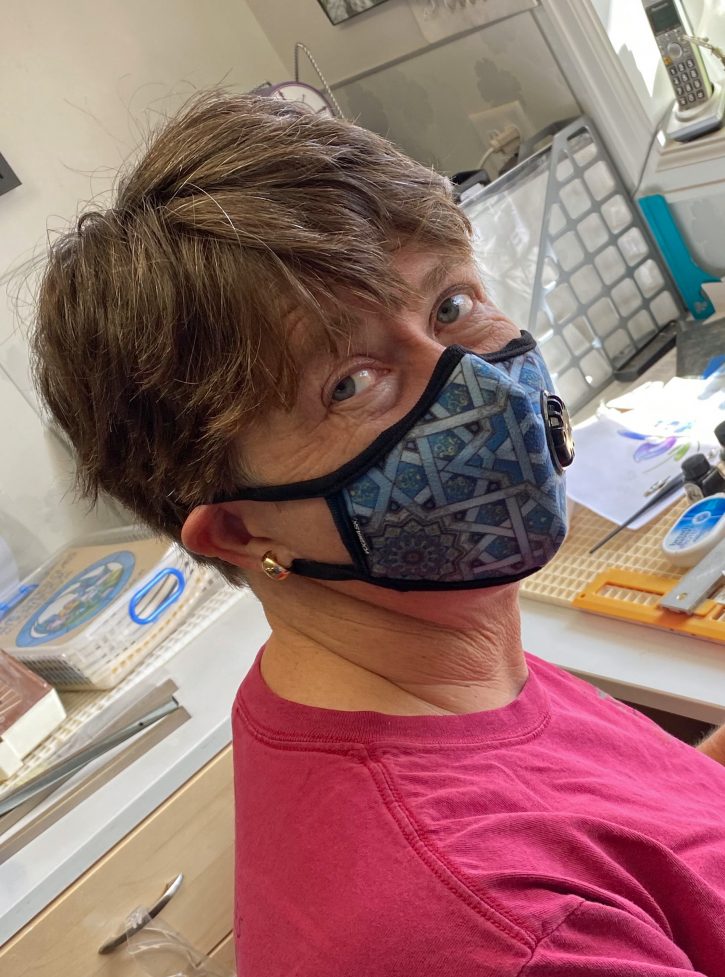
<point>192,833</point>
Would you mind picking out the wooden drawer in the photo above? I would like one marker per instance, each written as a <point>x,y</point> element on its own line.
<point>191,832</point>
<point>223,954</point>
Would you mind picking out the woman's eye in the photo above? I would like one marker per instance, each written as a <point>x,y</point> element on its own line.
<point>353,384</point>
<point>453,308</point>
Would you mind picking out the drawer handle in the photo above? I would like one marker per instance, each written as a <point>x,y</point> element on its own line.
<point>116,941</point>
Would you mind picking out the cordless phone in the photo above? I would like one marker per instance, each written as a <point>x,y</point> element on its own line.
<point>685,68</point>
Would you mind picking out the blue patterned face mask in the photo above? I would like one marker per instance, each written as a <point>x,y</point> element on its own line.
<point>466,490</point>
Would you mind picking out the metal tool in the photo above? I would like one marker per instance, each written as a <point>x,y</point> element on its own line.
<point>656,486</point>
<point>62,770</point>
<point>671,485</point>
<point>695,586</point>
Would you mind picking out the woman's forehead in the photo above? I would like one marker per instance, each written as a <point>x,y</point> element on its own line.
<point>349,319</point>
<point>426,270</point>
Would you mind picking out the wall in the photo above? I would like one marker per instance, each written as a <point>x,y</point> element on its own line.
<point>442,104</point>
<point>345,50</point>
<point>82,82</point>
<point>434,100</point>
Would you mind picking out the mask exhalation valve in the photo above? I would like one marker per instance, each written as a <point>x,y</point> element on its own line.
<point>558,429</point>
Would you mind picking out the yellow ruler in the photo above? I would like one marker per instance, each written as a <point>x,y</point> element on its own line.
<point>634,596</point>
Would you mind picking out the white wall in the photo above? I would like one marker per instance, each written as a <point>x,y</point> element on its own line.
<point>711,20</point>
<point>81,81</point>
<point>433,100</point>
<point>344,50</point>
<point>441,104</point>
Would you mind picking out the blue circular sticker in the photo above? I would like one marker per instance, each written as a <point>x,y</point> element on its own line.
<point>86,595</point>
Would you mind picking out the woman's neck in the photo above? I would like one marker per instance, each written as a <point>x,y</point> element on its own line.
<point>357,655</point>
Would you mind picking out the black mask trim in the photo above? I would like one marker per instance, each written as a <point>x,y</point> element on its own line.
<point>341,571</point>
<point>324,485</point>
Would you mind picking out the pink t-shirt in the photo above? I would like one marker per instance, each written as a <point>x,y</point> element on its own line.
<point>564,834</point>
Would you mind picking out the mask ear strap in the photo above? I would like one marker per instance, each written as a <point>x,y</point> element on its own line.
<point>342,571</point>
<point>327,571</point>
<point>355,544</point>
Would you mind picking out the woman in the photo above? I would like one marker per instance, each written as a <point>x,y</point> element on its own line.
<point>277,348</point>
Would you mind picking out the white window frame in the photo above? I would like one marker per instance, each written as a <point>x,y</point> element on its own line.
<point>580,44</point>
<point>588,60</point>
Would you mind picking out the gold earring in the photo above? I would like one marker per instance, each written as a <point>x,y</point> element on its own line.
<point>274,570</point>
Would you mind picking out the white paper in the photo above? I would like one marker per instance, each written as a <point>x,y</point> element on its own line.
<point>686,409</point>
<point>622,456</point>
<point>615,473</point>
<point>636,396</point>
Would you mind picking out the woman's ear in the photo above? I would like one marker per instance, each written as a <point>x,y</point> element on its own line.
<point>220,531</point>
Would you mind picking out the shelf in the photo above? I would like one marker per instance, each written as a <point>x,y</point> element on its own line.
<point>685,168</point>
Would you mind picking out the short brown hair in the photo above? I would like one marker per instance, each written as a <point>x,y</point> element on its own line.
<point>161,327</point>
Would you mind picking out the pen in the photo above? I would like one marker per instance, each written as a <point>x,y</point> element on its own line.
<point>670,486</point>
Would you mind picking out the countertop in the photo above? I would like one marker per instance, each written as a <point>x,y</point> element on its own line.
<point>208,671</point>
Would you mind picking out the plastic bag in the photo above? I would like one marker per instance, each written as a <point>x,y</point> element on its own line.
<point>162,952</point>
<point>507,218</point>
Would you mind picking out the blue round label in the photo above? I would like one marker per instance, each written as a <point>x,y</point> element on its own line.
<point>704,514</point>
<point>86,595</point>
<point>694,525</point>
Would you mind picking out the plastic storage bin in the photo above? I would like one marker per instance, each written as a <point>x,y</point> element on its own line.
<point>91,613</point>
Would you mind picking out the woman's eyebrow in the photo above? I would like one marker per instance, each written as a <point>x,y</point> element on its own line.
<point>434,279</point>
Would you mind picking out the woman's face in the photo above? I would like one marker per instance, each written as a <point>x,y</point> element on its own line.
<point>346,399</point>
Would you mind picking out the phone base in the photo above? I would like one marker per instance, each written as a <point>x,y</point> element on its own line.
<point>684,125</point>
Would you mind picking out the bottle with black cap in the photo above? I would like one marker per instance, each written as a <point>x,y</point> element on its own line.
<point>701,478</point>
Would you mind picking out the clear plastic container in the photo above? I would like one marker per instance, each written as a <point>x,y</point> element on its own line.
<point>94,610</point>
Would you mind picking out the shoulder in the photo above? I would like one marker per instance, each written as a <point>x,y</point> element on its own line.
<point>599,939</point>
<point>332,879</point>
